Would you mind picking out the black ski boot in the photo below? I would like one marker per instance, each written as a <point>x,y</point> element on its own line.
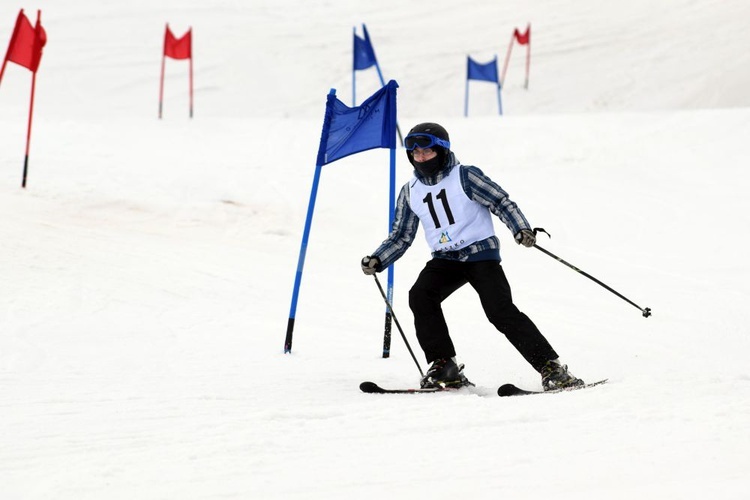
<point>557,376</point>
<point>445,374</point>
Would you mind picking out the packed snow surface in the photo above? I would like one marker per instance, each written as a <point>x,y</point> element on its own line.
<point>147,268</point>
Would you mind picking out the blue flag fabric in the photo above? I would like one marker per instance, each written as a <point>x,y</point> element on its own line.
<point>364,55</point>
<point>485,72</point>
<point>350,130</point>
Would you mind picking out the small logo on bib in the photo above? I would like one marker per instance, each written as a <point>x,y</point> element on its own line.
<point>444,238</point>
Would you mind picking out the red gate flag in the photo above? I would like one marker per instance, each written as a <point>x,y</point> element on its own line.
<point>523,38</point>
<point>178,48</point>
<point>26,43</point>
<point>25,48</point>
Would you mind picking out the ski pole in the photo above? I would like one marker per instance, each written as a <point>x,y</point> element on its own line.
<point>646,312</point>
<point>395,320</point>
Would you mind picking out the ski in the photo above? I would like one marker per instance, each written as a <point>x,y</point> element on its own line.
<point>373,388</point>
<point>512,390</point>
<point>505,390</point>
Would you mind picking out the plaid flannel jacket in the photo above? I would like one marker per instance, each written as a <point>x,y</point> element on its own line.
<point>479,188</point>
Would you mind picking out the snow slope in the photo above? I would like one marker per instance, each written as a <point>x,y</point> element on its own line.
<point>147,269</point>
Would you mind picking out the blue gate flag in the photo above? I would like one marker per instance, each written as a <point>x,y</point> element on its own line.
<point>350,130</point>
<point>364,54</point>
<point>485,72</point>
<point>347,131</point>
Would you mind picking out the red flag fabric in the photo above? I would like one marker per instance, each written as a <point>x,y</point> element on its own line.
<point>522,38</point>
<point>26,43</point>
<point>178,48</point>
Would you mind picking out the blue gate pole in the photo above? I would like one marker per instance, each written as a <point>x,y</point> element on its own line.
<point>389,294</point>
<point>301,260</point>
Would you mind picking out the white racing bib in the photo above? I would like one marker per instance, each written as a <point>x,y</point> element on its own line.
<point>451,221</point>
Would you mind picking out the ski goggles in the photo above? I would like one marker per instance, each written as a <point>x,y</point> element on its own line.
<point>424,141</point>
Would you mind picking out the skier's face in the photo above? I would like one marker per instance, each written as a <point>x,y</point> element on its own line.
<point>421,155</point>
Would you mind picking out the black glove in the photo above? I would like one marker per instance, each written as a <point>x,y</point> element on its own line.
<point>370,265</point>
<point>526,238</point>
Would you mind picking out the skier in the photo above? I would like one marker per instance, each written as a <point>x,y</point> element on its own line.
<point>453,202</point>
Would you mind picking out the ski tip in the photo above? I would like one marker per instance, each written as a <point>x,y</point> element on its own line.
<point>507,390</point>
<point>369,387</point>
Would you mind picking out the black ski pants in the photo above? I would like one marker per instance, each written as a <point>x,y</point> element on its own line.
<point>440,278</point>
